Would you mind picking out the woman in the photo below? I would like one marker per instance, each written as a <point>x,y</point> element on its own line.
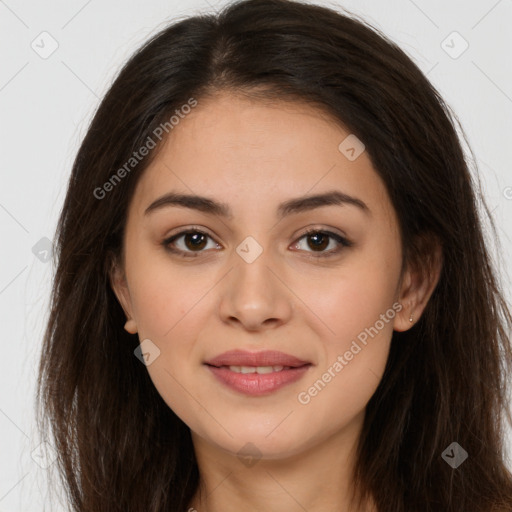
<point>273,291</point>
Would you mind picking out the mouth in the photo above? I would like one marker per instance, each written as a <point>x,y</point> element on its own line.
<point>262,359</point>
<point>261,370</point>
<point>257,373</point>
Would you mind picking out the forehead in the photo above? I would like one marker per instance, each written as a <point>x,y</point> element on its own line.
<point>250,153</point>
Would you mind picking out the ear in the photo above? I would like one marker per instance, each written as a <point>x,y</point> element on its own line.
<point>419,280</point>
<point>119,285</point>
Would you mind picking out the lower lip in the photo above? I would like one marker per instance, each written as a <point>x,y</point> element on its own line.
<point>256,384</point>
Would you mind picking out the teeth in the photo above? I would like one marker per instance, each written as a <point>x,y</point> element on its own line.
<point>257,369</point>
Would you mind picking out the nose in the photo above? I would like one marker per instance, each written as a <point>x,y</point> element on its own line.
<point>254,296</point>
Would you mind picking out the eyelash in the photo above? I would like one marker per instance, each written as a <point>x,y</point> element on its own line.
<point>344,242</point>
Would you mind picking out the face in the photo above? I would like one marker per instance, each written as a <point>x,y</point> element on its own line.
<point>312,312</point>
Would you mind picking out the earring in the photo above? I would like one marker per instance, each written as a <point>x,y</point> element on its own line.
<point>130,326</point>
<point>410,318</point>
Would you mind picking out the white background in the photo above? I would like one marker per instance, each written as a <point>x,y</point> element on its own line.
<point>46,105</point>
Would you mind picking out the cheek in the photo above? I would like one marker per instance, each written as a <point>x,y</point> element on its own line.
<point>355,355</point>
<point>163,293</point>
<point>166,315</point>
<point>352,367</point>
<point>157,309</point>
<point>354,300</point>
<point>357,307</point>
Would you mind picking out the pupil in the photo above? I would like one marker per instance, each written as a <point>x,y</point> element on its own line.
<point>194,238</point>
<point>319,245</point>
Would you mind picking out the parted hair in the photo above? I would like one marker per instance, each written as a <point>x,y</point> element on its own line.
<point>120,447</point>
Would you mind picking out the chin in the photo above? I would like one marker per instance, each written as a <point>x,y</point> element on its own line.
<point>253,441</point>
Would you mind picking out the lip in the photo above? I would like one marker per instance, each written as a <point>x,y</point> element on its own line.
<point>256,384</point>
<point>264,358</point>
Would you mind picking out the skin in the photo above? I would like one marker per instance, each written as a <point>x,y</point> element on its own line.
<point>252,156</point>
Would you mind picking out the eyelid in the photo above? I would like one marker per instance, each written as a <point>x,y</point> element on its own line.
<point>189,229</point>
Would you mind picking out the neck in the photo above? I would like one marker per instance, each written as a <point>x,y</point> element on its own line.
<point>319,478</point>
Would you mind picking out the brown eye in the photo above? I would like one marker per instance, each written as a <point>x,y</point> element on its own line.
<point>187,242</point>
<point>318,241</point>
<point>195,240</point>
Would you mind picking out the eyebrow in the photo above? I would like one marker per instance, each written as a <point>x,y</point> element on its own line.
<point>291,206</point>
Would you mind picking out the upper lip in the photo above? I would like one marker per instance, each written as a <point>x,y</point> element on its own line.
<point>263,358</point>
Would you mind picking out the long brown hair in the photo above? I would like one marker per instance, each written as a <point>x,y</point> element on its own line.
<point>120,447</point>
